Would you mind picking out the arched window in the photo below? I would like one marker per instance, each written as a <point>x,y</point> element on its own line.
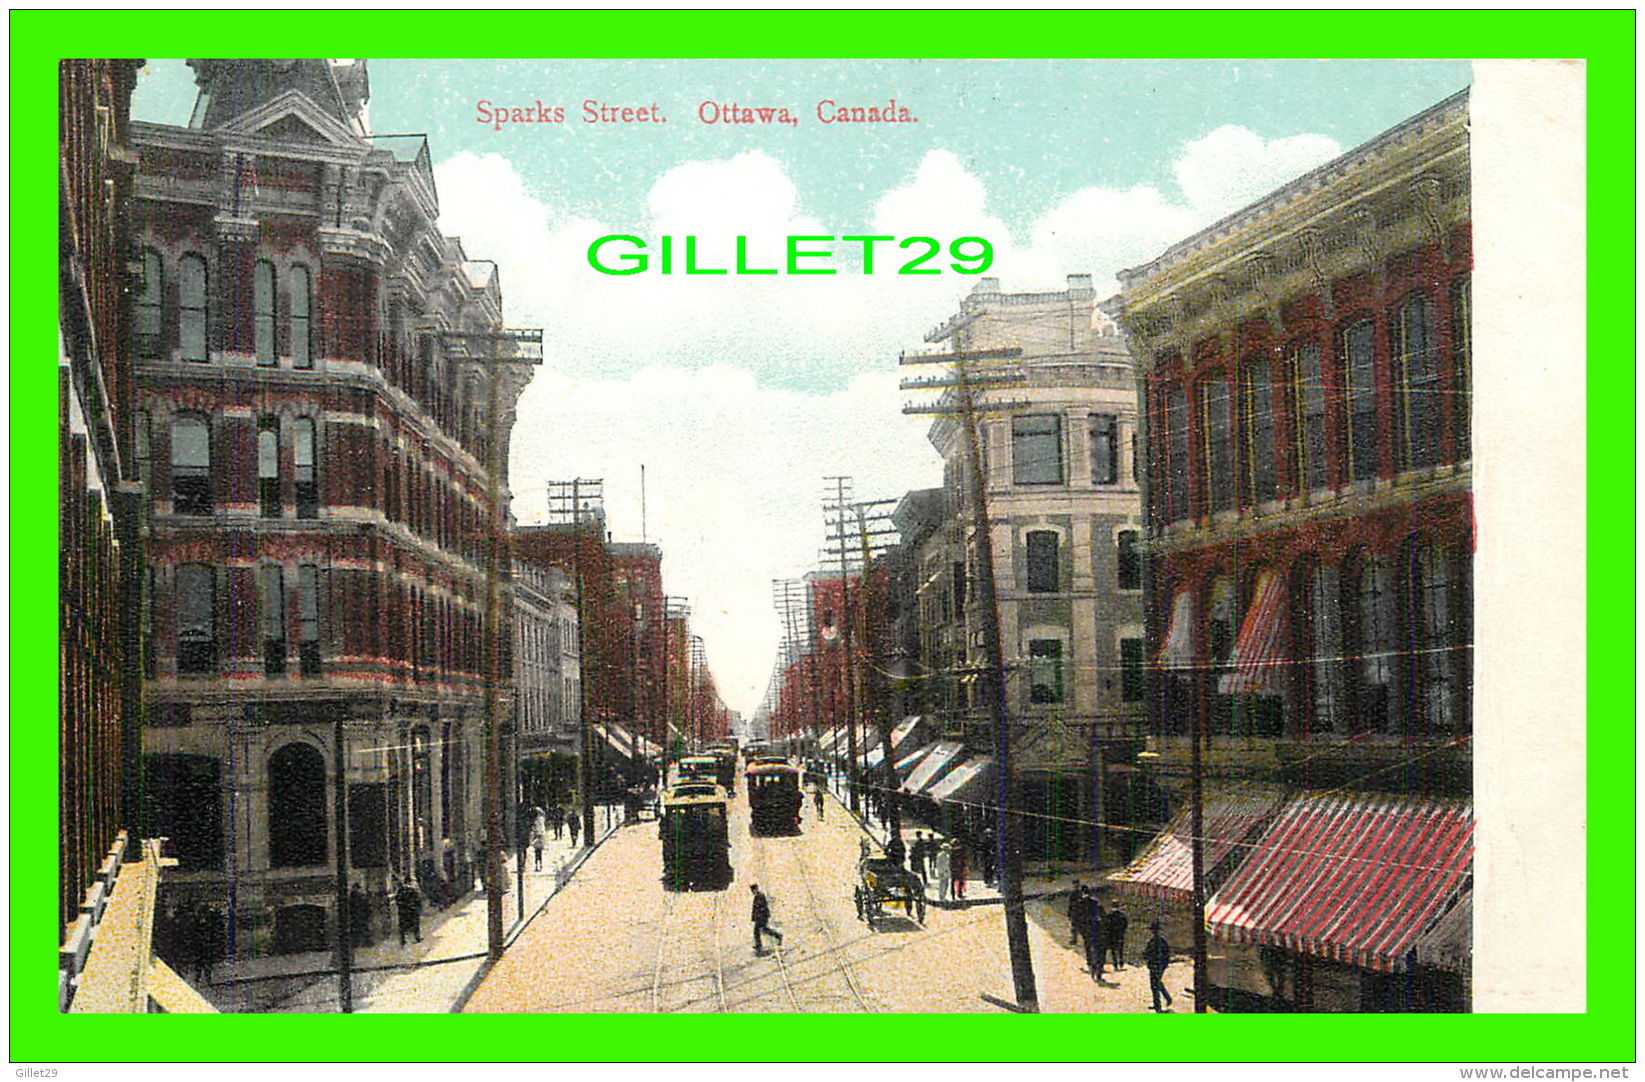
<point>302,322</point>
<point>1178,504</point>
<point>1364,427</point>
<point>302,461</point>
<point>191,465</point>
<point>196,605</point>
<point>1043,571</point>
<point>297,807</point>
<point>1416,360</point>
<point>262,303</point>
<point>192,308</point>
<point>1216,422</point>
<point>268,466</point>
<point>1256,413</point>
<point>148,341</point>
<point>1308,410</point>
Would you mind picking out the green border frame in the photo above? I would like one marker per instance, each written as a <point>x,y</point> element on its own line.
<point>1605,1033</point>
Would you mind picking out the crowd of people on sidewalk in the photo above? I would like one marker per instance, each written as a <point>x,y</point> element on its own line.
<point>1103,934</point>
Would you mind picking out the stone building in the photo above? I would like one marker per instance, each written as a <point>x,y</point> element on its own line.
<point>1305,365</point>
<point>316,444</point>
<point>547,685</point>
<point>1056,428</point>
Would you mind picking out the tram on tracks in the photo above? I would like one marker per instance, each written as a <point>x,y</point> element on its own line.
<point>773,798</point>
<point>725,760</point>
<point>697,768</point>
<point>695,836</point>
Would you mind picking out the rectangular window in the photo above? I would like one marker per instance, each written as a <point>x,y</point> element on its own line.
<point>302,457</point>
<point>1036,450</point>
<point>1042,562</point>
<point>1216,423</point>
<point>1364,431</point>
<point>1105,459</point>
<point>308,619</point>
<point>191,308</point>
<point>1130,561</point>
<point>272,603</point>
<point>268,467</point>
<point>191,466</point>
<point>1176,423</point>
<point>1131,672</point>
<point>1256,404</point>
<point>1045,671</point>
<point>1416,358</point>
<point>147,325</point>
<point>196,620</point>
<point>1308,404</point>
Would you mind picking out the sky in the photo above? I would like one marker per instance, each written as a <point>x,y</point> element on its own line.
<point>739,394</point>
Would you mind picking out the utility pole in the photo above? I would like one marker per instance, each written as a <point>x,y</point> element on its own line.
<point>494,352</point>
<point>962,386</point>
<point>853,775</point>
<point>574,503</point>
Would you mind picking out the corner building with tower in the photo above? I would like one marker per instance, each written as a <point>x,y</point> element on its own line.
<point>315,431</point>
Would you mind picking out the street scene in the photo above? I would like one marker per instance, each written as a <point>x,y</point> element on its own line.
<point>849,558</point>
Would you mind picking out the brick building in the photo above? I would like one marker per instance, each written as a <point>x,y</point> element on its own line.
<point>315,441</point>
<point>1306,369</point>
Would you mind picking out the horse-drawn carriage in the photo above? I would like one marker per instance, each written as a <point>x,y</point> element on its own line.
<point>882,882</point>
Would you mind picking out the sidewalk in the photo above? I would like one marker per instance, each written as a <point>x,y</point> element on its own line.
<point>425,977</point>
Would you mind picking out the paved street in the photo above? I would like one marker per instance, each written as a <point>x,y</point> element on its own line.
<point>615,940</point>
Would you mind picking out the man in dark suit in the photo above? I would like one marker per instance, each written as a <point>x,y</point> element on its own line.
<point>1156,956</point>
<point>761,915</point>
<point>1115,925</point>
<point>409,902</point>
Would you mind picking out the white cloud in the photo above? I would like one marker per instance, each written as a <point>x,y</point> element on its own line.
<point>1231,167</point>
<point>693,376</point>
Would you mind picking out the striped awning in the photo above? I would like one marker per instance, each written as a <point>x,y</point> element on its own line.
<point>829,739</point>
<point>874,759</point>
<point>1257,653</point>
<point>1164,871</point>
<point>1177,651</point>
<point>911,728</point>
<point>969,783</point>
<point>944,755</point>
<point>1351,877</point>
<point>1449,944</point>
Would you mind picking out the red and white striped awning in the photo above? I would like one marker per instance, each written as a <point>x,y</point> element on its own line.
<point>1177,651</point>
<point>1449,944</point>
<point>932,766</point>
<point>1351,877</point>
<point>969,783</point>
<point>1257,656</point>
<point>1164,871</point>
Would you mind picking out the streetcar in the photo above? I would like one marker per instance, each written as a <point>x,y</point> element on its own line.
<point>773,798</point>
<point>725,769</point>
<point>695,840</point>
<point>697,768</point>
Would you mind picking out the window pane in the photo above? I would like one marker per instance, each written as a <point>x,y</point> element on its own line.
<point>308,602</point>
<point>1215,423</point>
<point>302,450</point>
<point>1104,451</point>
<point>1257,417</point>
<point>1325,625</point>
<point>1462,346</point>
<point>268,453</point>
<point>191,443</point>
<point>1131,674</point>
<point>191,315</point>
<point>1364,435</point>
<point>1376,642</point>
<point>1417,368</point>
<point>1045,671</point>
<point>1176,421</point>
<point>1130,561</point>
<point>263,310</point>
<point>1310,412</point>
<point>302,352</point>
<point>1042,562</point>
<point>1036,450</point>
<point>147,326</point>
